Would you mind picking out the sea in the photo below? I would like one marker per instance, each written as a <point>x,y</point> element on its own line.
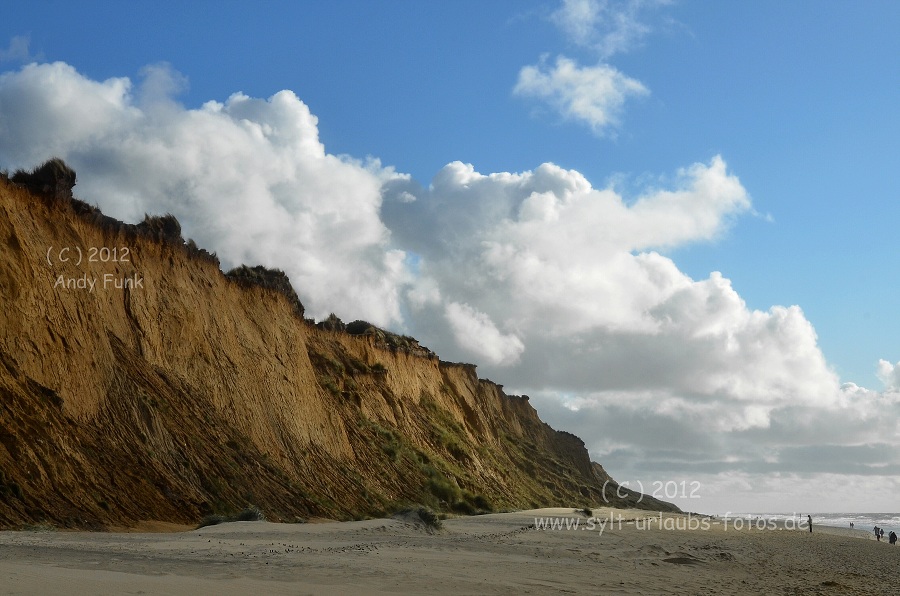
<point>861,521</point>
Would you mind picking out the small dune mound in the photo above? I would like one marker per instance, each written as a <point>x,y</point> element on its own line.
<point>248,514</point>
<point>420,516</point>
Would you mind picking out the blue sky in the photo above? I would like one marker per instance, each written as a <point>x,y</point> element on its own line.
<point>798,99</point>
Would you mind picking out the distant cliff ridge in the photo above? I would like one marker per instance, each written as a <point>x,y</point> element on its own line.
<point>139,382</point>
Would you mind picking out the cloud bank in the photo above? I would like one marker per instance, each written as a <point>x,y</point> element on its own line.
<point>555,288</point>
<point>569,284</point>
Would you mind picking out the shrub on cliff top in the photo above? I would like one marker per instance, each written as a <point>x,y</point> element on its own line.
<point>195,251</point>
<point>332,323</point>
<point>52,178</point>
<point>362,328</point>
<point>390,341</point>
<point>161,227</point>
<point>272,279</point>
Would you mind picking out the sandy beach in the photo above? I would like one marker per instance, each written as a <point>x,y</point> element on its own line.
<point>612,552</point>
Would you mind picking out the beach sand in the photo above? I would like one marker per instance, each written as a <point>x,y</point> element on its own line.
<point>621,552</point>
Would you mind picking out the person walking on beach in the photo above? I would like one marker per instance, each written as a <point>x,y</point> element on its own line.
<point>892,537</point>
<point>877,533</point>
<point>809,522</point>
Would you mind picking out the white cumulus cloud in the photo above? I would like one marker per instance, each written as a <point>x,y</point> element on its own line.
<point>476,332</point>
<point>575,274</point>
<point>593,95</point>
<point>889,374</point>
<point>247,177</point>
<point>605,26</point>
<point>18,50</point>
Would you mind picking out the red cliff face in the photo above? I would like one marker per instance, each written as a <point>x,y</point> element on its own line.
<point>139,382</point>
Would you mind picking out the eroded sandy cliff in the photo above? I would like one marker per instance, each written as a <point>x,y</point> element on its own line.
<point>167,391</point>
